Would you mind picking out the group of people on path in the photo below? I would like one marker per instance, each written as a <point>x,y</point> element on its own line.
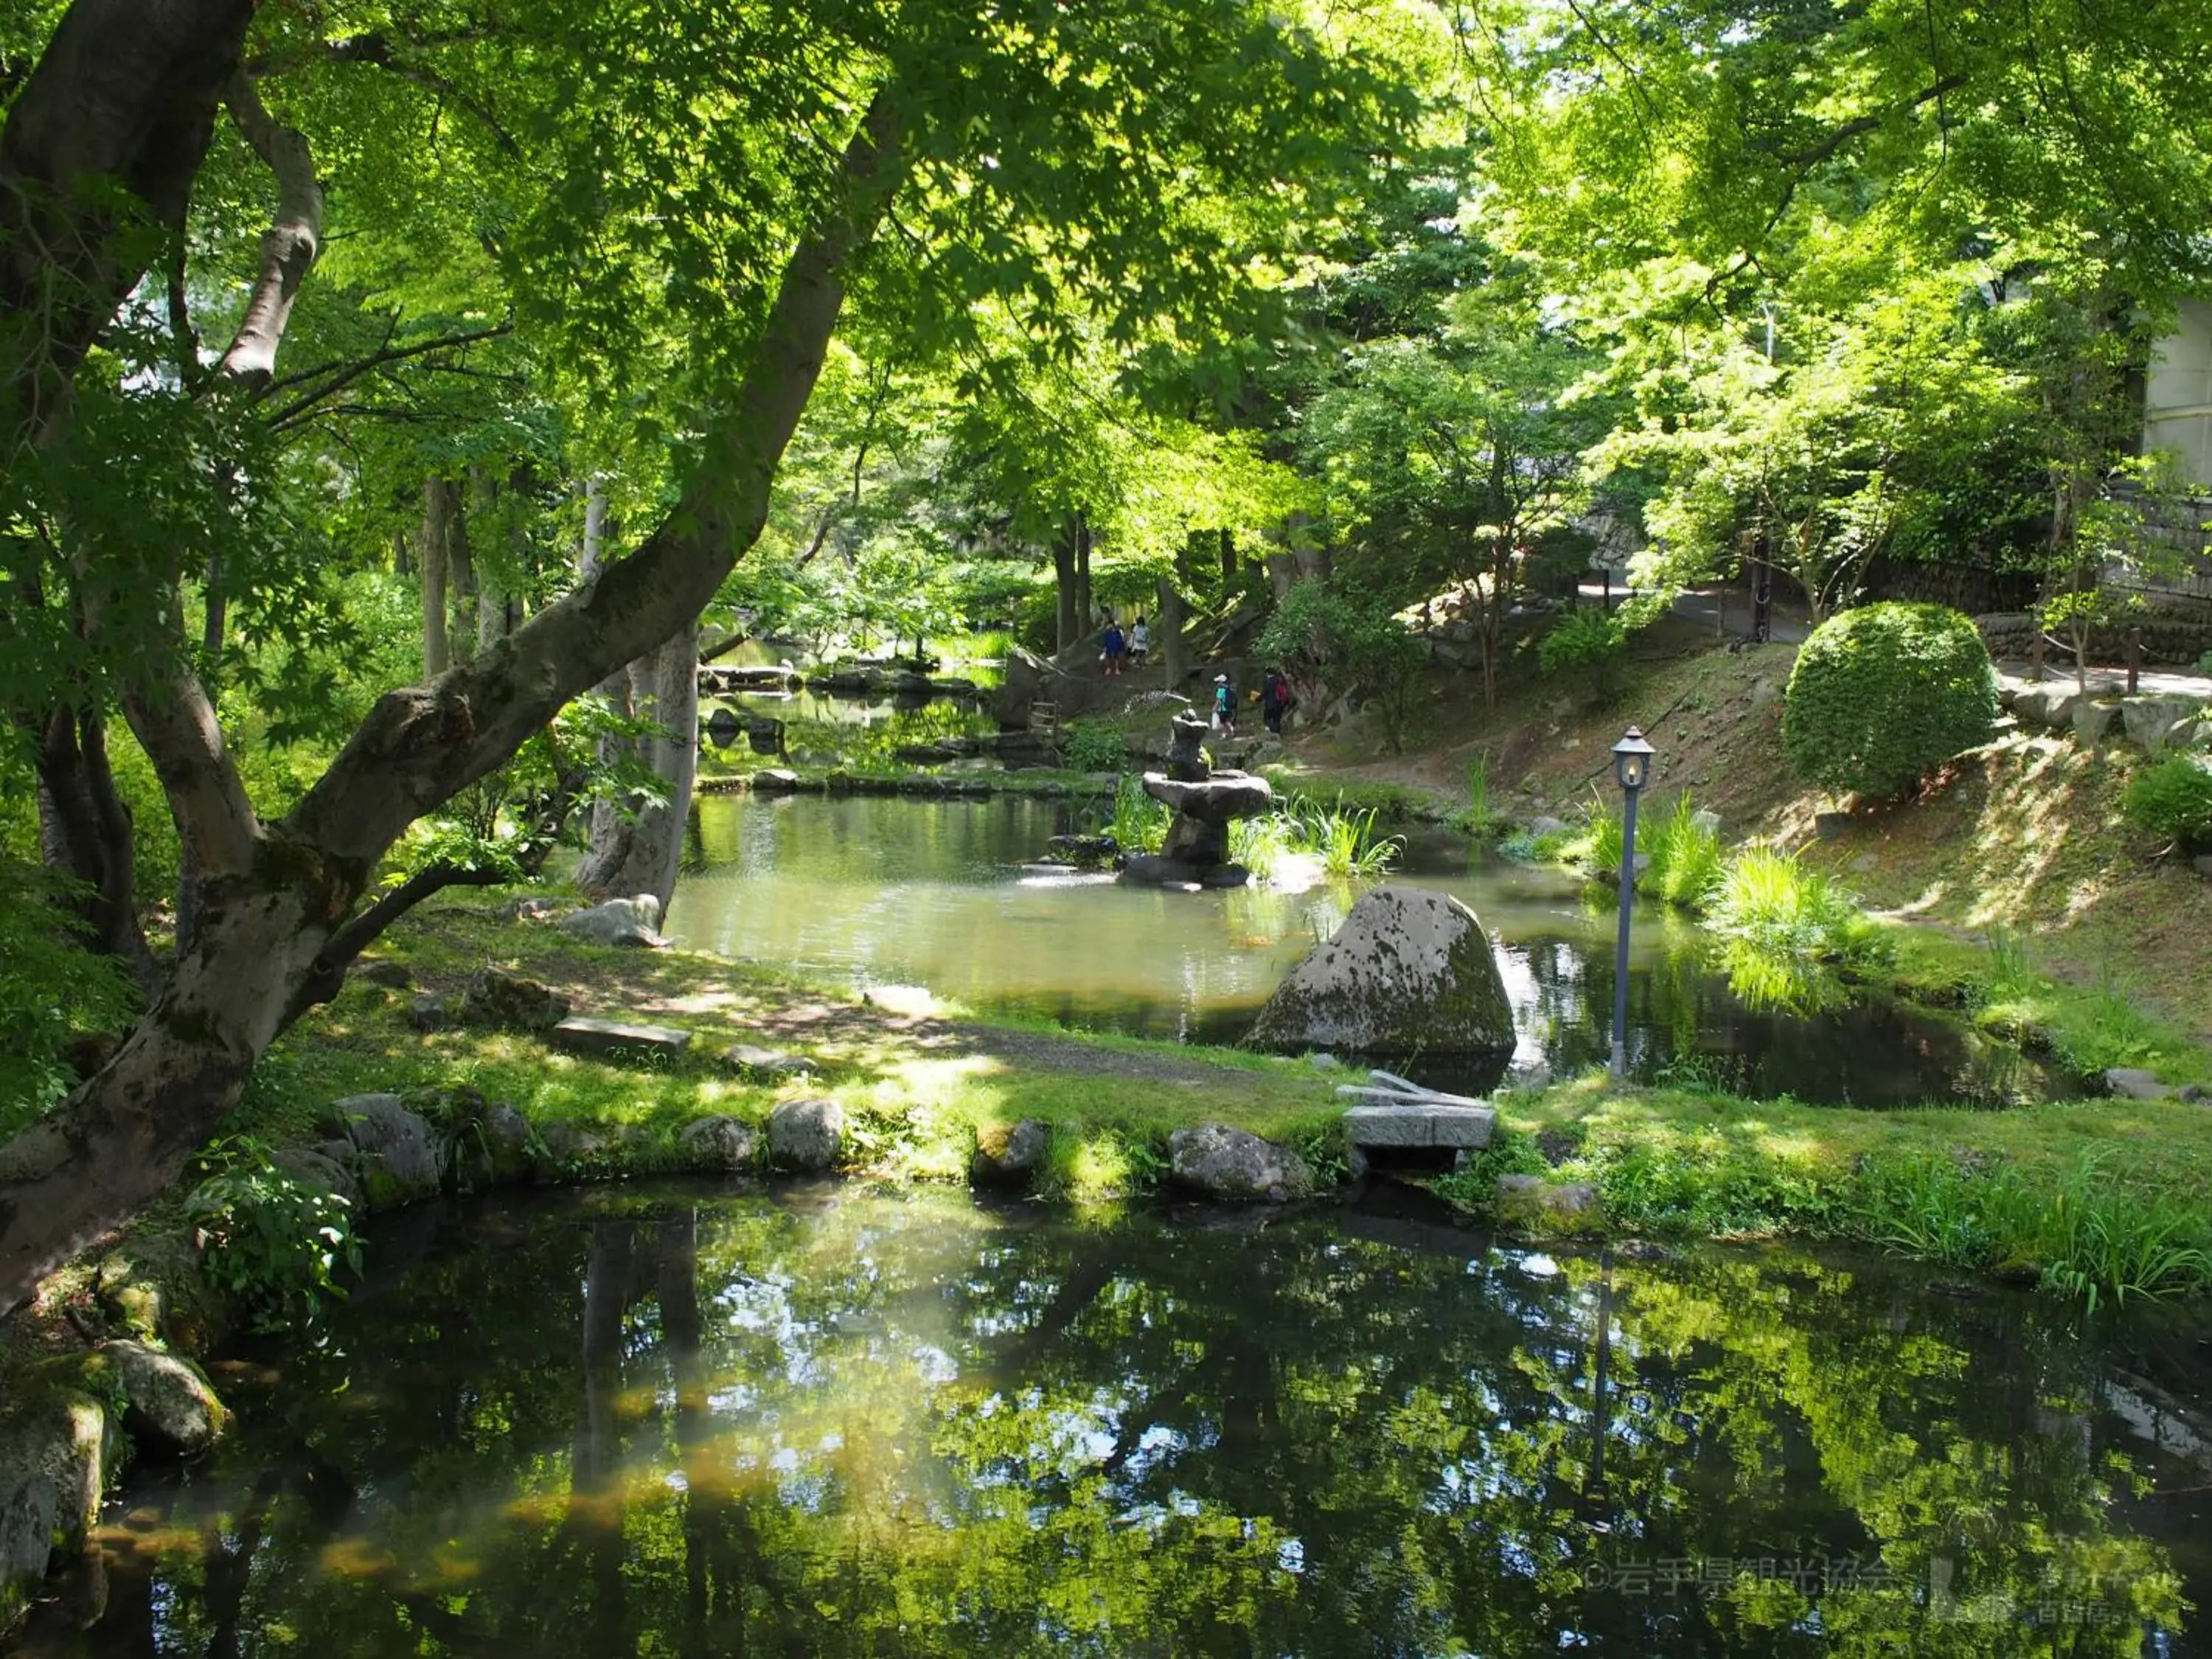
<point>1134,647</point>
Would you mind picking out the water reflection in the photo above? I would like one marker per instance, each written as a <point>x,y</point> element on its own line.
<point>889,890</point>
<point>834,1424</point>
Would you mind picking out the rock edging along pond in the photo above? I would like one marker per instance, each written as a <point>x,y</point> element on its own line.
<point>131,1391</point>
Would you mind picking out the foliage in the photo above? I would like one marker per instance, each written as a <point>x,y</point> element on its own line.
<point>2171,799</point>
<point>1329,633</point>
<point>1590,644</point>
<point>1685,850</point>
<point>1092,746</point>
<point>1775,903</point>
<point>2091,1240</point>
<point>1883,694</point>
<point>271,1240</point>
<point>53,994</point>
<point>1139,824</point>
<point>1344,837</point>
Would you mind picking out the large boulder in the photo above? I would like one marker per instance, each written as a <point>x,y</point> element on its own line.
<point>1410,971</point>
<point>619,921</point>
<point>2048,704</point>
<point>2157,722</point>
<point>1010,1156</point>
<point>1026,679</point>
<point>806,1135</point>
<point>1217,1161</point>
<point>169,1404</point>
<point>398,1158</point>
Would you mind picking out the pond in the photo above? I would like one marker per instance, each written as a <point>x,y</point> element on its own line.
<point>877,890</point>
<point>825,1422</point>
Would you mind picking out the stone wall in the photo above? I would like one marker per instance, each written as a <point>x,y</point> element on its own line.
<point>2170,638</point>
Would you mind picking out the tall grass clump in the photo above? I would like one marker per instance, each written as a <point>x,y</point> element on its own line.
<point>1480,816</point>
<point>1260,844</point>
<point>1345,837</point>
<point>1685,850</point>
<point>1776,903</point>
<point>2092,1239</point>
<point>1139,823</point>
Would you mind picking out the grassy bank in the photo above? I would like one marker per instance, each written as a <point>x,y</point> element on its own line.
<point>2097,1199</point>
<point>921,1086</point>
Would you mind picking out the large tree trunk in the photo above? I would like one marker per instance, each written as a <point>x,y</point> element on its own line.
<point>1073,619</point>
<point>437,523</point>
<point>1175,653</point>
<point>126,91</point>
<point>276,894</point>
<point>1085,606</point>
<point>642,854</point>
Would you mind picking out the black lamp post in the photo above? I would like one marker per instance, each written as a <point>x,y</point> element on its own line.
<point>1632,769</point>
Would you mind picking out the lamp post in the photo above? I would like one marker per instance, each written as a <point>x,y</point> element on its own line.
<point>1632,769</point>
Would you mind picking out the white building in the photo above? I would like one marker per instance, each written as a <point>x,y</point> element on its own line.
<point>2178,392</point>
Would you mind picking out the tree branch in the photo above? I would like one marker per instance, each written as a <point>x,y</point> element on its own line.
<point>422,744</point>
<point>344,375</point>
<point>376,51</point>
<point>177,728</point>
<point>288,246</point>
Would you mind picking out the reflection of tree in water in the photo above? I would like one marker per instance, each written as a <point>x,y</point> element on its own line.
<point>910,1427</point>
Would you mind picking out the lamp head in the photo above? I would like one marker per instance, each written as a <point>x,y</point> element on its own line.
<point>1632,761</point>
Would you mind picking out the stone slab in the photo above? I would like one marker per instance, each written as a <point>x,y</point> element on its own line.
<point>580,1034</point>
<point>1419,1126</point>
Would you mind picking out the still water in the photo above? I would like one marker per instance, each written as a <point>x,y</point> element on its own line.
<point>822,1422</point>
<point>886,890</point>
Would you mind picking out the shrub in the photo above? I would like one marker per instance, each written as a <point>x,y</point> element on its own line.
<point>1779,905</point>
<point>1587,644</point>
<point>1882,693</point>
<point>1334,635</point>
<point>274,1241</point>
<point>2172,800</point>
<point>1087,747</point>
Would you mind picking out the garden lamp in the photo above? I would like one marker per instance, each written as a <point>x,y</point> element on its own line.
<point>1632,769</point>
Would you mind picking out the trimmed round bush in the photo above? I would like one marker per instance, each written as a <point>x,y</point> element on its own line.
<point>1883,694</point>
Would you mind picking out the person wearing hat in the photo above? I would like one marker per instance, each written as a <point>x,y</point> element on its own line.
<point>1224,705</point>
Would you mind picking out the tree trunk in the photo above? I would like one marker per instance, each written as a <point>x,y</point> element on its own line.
<point>1228,557</point>
<point>123,92</point>
<point>276,894</point>
<point>1084,606</point>
<point>461,614</point>
<point>85,831</point>
<point>437,521</point>
<point>1175,654</point>
<point>1072,620</point>
<point>642,854</point>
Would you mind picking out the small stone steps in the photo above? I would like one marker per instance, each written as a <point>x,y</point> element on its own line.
<point>1400,1125</point>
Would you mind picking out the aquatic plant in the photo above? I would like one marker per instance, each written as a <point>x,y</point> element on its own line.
<point>1139,823</point>
<point>1480,816</point>
<point>1685,853</point>
<point>1260,844</point>
<point>1345,837</point>
<point>1780,904</point>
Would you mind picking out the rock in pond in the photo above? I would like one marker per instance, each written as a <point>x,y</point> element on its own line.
<point>719,1146</point>
<point>170,1406</point>
<point>54,1452</point>
<point>399,1161</point>
<point>1009,1157</point>
<point>619,921</point>
<point>1217,1161</point>
<point>1409,971</point>
<point>806,1135</point>
<point>512,1003</point>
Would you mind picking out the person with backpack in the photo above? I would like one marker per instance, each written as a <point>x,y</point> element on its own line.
<point>1111,656</point>
<point>1140,642</point>
<point>1224,705</point>
<point>1275,699</point>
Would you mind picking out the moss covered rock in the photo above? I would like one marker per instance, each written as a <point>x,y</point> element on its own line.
<point>1409,972</point>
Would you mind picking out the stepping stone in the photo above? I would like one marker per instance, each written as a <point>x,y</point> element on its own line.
<point>765,1063</point>
<point>2131,1083</point>
<point>580,1035</point>
<point>1460,1127</point>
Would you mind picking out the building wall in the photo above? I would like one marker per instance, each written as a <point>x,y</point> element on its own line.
<point>2178,392</point>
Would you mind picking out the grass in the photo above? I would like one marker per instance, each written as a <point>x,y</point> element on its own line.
<point>1139,824</point>
<point>919,1090</point>
<point>2097,1201</point>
